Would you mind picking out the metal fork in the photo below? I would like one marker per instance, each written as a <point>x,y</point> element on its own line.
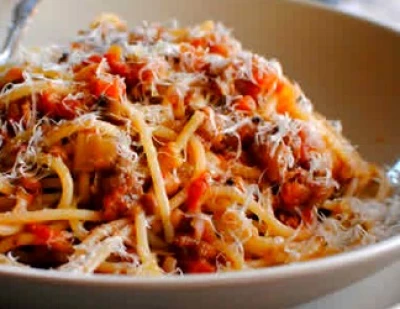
<point>20,15</point>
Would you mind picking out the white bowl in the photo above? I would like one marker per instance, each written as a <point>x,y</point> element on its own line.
<point>278,287</point>
<point>348,67</point>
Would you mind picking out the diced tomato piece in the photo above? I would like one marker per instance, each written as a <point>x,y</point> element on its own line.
<point>118,67</point>
<point>220,49</point>
<point>121,69</point>
<point>146,75</point>
<point>287,100</point>
<point>308,215</point>
<point>69,108</point>
<point>247,87</point>
<point>295,194</point>
<point>55,104</point>
<point>133,73</point>
<point>13,75</point>
<point>246,104</point>
<point>31,184</point>
<point>200,266</point>
<point>94,58</point>
<point>114,59</point>
<point>48,236</point>
<point>199,42</point>
<point>288,218</point>
<point>85,72</point>
<point>262,82</point>
<point>48,102</point>
<point>264,79</point>
<point>112,89</point>
<point>114,54</point>
<point>197,188</point>
<point>41,231</point>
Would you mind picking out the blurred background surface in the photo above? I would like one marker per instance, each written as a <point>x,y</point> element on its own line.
<point>386,12</point>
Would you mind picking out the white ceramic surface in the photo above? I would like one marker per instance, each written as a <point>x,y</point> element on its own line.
<point>349,68</point>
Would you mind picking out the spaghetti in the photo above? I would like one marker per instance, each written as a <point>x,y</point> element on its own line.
<point>166,150</point>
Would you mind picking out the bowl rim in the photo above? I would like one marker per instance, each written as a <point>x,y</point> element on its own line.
<point>390,246</point>
<point>349,15</point>
<point>243,277</point>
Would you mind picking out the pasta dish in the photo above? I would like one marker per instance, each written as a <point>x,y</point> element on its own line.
<point>168,150</point>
